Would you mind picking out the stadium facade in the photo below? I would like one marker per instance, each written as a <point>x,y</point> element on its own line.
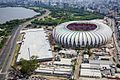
<point>80,34</point>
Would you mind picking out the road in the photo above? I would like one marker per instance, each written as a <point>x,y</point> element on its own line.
<point>114,29</point>
<point>8,52</point>
<point>77,66</point>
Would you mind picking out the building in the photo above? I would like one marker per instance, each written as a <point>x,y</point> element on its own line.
<point>90,66</point>
<point>57,68</point>
<point>90,73</point>
<point>102,62</point>
<point>35,43</point>
<point>63,62</point>
<point>67,53</point>
<point>96,70</point>
<point>82,34</point>
<point>95,66</point>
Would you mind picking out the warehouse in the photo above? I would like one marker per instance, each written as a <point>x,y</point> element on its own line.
<point>90,73</point>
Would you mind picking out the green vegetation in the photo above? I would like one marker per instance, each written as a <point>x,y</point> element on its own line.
<point>73,65</point>
<point>46,21</point>
<point>10,25</point>
<point>59,15</point>
<point>87,51</point>
<point>38,9</point>
<point>113,59</point>
<point>73,68</point>
<point>74,14</point>
<point>17,48</point>
<point>118,65</point>
<point>27,67</point>
<point>7,28</point>
<point>3,41</point>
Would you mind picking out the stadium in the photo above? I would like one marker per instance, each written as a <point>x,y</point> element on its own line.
<point>81,34</point>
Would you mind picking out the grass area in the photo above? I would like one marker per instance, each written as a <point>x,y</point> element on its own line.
<point>59,15</point>
<point>113,59</point>
<point>15,54</point>
<point>20,38</point>
<point>38,9</point>
<point>74,14</point>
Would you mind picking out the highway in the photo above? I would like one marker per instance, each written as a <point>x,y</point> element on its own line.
<point>8,51</point>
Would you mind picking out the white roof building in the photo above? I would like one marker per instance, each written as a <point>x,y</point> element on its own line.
<point>86,56</point>
<point>94,66</point>
<point>90,73</point>
<point>89,66</point>
<point>63,61</point>
<point>55,70</point>
<point>71,52</point>
<point>35,43</point>
<point>76,34</point>
<point>104,58</point>
<point>100,62</point>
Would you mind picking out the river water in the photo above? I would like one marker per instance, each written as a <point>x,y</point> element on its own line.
<point>11,13</point>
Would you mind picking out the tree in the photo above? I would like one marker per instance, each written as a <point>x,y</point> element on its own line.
<point>118,65</point>
<point>27,67</point>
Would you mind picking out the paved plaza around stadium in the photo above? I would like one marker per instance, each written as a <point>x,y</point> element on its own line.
<point>35,43</point>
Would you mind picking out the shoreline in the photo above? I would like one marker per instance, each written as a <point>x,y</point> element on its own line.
<point>23,18</point>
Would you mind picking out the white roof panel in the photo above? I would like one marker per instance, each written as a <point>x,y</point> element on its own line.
<point>90,73</point>
<point>35,42</point>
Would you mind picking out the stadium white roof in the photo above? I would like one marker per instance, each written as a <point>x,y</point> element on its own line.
<point>35,43</point>
<point>74,37</point>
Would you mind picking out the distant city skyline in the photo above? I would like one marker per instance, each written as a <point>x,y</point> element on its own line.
<point>102,6</point>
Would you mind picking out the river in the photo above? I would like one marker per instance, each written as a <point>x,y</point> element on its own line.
<point>11,13</point>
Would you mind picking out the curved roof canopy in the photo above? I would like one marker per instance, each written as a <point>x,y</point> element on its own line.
<point>82,34</point>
